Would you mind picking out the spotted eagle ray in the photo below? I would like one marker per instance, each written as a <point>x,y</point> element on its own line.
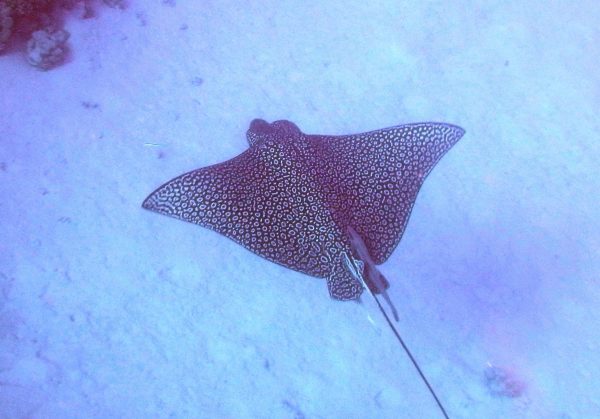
<point>333,207</point>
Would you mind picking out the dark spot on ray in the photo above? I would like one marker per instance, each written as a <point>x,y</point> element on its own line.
<point>294,198</point>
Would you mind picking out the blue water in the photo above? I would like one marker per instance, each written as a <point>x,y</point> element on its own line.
<point>107,310</point>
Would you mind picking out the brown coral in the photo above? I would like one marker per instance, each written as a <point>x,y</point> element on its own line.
<point>46,48</point>
<point>28,7</point>
<point>40,21</point>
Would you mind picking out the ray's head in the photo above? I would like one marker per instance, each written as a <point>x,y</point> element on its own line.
<point>260,130</point>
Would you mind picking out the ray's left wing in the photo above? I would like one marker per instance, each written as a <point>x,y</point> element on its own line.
<point>262,199</point>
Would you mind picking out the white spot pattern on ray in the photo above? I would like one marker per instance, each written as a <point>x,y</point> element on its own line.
<point>290,197</point>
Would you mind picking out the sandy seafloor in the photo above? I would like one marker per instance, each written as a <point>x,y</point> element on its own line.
<point>110,311</point>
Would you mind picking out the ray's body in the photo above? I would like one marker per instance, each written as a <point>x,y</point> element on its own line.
<point>292,197</point>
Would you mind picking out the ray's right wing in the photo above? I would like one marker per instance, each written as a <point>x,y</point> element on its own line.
<point>373,178</point>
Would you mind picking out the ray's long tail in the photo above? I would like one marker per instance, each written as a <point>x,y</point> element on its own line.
<point>412,358</point>
<point>378,281</point>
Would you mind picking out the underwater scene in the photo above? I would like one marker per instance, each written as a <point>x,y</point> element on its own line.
<point>289,209</point>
